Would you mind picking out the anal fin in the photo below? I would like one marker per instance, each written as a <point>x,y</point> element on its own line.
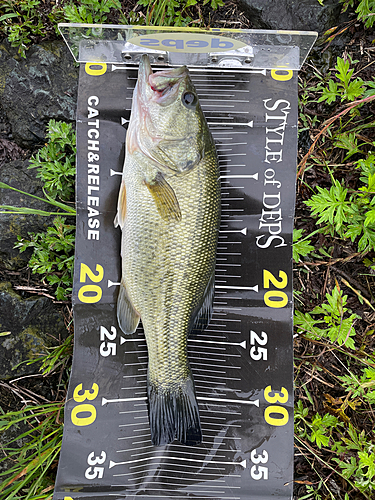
<point>164,197</point>
<point>127,316</point>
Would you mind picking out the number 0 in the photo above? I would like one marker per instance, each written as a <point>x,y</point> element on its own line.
<point>285,75</point>
<point>83,421</point>
<point>276,410</point>
<point>95,69</point>
<point>275,299</point>
<point>90,299</point>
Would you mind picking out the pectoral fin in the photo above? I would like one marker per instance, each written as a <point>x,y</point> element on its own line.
<point>164,197</point>
<point>121,206</point>
<point>127,316</point>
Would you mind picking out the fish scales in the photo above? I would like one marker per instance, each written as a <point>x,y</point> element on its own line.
<point>167,266</point>
<point>169,225</point>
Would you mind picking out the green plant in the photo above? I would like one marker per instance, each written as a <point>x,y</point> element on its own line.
<point>38,428</point>
<point>21,21</point>
<point>361,466</point>
<point>307,122</point>
<point>349,214</point>
<point>31,477</point>
<point>55,162</point>
<point>90,11</point>
<point>168,12</point>
<point>340,330</point>
<point>335,380</point>
<point>365,10</point>
<point>317,430</point>
<point>370,263</point>
<point>53,255</point>
<point>333,206</point>
<point>9,209</point>
<point>214,3</point>
<point>53,358</point>
<point>301,247</point>
<point>53,250</point>
<point>350,450</point>
<point>174,12</point>
<point>57,357</point>
<point>361,387</point>
<point>313,492</point>
<point>346,89</point>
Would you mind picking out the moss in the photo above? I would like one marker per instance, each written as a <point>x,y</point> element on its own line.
<point>31,342</point>
<point>14,224</point>
<point>4,67</point>
<point>6,286</point>
<point>53,47</point>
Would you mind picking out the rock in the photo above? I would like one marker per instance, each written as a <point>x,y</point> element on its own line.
<point>36,89</point>
<point>300,15</point>
<point>34,325</point>
<point>5,129</point>
<point>17,174</point>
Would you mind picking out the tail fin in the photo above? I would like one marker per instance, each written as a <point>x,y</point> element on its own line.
<point>173,413</point>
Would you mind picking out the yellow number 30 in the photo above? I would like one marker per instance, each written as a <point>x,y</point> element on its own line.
<point>76,415</point>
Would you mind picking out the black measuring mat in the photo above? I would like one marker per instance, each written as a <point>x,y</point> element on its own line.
<point>242,363</point>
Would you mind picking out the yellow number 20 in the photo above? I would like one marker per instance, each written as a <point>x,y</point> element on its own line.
<point>90,294</point>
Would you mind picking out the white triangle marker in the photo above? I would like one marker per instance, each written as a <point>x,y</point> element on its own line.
<point>112,283</point>
<point>243,231</point>
<point>252,176</point>
<point>248,124</point>
<point>113,172</point>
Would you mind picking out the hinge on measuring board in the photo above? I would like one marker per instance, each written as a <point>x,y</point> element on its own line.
<point>239,58</point>
<point>132,54</point>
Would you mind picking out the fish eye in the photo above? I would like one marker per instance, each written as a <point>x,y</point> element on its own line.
<point>189,99</point>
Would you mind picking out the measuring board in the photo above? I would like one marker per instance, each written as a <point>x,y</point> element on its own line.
<point>242,363</point>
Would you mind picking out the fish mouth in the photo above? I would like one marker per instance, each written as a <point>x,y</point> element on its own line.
<point>144,70</point>
<point>164,85</point>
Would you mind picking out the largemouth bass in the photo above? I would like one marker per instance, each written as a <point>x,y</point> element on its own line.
<point>169,212</point>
